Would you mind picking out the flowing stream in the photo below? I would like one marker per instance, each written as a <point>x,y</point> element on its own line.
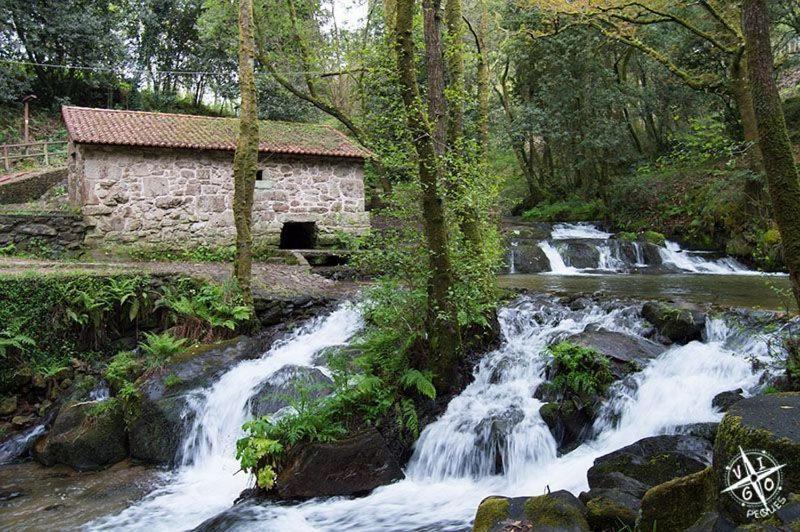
<point>495,420</point>
<point>583,249</point>
<point>207,482</point>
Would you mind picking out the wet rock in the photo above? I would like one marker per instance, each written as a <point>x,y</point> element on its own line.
<point>706,431</point>
<point>652,255</point>
<point>676,324</point>
<point>287,385</point>
<point>579,254</point>
<point>611,511</point>
<point>535,231</point>
<point>273,311</point>
<point>723,401</point>
<point>626,353</point>
<point>161,416</point>
<point>529,258</point>
<point>85,436</point>
<point>22,421</point>
<point>569,423</point>
<point>648,462</point>
<point>493,433</point>
<point>764,422</point>
<point>8,405</point>
<point>679,503</point>
<point>559,510</point>
<point>354,466</point>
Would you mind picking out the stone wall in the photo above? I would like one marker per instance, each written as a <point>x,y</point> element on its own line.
<point>51,234</point>
<point>184,197</point>
<point>30,186</point>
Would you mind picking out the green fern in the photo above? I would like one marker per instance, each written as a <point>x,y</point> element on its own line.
<point>414,379</point>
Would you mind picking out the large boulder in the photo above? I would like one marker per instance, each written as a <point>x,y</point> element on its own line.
<point>86,436</point>
<point>626,353</point>
<point>723,401</point>
<point>679,325</point>
<point>569,421</point>
<point>764,423</point>
<point>353,466</point>
<point>625,475</point>
<point>493,433</point>
<point>679,503</point>
<point>162,414</point>
<point>556,511</point>
<point>611,511</point>
<point>579,254</point>
<point>288,385</point>
<point>529,257</point>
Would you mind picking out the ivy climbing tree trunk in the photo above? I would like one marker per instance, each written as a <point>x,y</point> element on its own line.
<point>245,159</point>
<point>483,77</point>
<point>454,58</point>
<point>776,148</point>
<point>441,324</point>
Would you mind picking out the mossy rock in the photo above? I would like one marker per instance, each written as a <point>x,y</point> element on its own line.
<point>491,511</point>
<point>86,436</point>
<point>677,504</point>
<point>678,325</point>
<point>604,513</point>
<point>764,422</point>
<point>559,510</point>
<point>654,237</point>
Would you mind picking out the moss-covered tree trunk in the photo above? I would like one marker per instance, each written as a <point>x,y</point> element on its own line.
<point>776,148</point>
<point>454,58</point>
<point>434,66</point>
<point>441,325</point>
<point>245,159</point>
<point>483,78</point>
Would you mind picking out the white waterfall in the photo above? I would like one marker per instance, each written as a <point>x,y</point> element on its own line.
<point>207,481</point>
<point>672,253</point>
<point>496,419</point>
<point>579,230</point>
<point>557,265</point>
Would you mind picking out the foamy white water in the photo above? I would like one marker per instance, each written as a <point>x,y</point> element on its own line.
<point>557,264</point>
<point>207,482</point>
<point>672,253</point>
<point>495,420</point>
<point>567,231</point>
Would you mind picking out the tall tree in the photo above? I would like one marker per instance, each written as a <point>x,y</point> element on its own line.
<point>779,163</point>
<point>441,324</point>
<point>245,159</point>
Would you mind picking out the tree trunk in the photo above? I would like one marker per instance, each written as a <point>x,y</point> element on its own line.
<point>776,148</point>
<point>483,78</point>
<point>434,65</point>
<point>442,328</point>
<point>245,159</point>
<point>740,90</point>
<point>454,57</point>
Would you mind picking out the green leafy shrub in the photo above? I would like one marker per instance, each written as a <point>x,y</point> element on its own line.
<point>580,370</point>
<point>570,210</point>
<point>654,237</point>
<point>159,348</point>
<point>122,369</point>
<point>205,311</point>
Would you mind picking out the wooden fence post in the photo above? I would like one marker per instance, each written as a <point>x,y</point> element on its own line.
<point>46,156</point>
<point>6,163</point>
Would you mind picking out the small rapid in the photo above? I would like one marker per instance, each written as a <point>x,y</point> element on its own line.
<point>208,479</point>
<point>583,249</point>
<point>491,439</point>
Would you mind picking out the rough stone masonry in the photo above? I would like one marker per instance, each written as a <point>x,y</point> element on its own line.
<point>177,188</point>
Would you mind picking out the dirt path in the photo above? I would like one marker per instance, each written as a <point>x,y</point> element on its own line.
<point>269,279</point>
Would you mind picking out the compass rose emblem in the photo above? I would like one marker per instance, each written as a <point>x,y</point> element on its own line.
<point>754,479</point>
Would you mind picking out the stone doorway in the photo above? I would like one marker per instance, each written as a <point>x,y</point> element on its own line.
<point>298,235</point>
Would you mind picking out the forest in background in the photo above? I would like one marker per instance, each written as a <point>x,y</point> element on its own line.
<point>633,114</point>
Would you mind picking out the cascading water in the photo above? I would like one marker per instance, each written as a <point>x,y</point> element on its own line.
<point>599,252</point>
<point>207,482</point>
<point>491,439</point>
<point>557,265</point>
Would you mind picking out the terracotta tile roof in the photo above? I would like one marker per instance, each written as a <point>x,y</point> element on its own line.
<point>137,128</point>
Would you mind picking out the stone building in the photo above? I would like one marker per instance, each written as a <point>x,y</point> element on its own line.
<point>167,179</point>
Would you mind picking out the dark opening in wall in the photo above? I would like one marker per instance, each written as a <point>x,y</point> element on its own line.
<point>259,175</point>
<point>298,235</point>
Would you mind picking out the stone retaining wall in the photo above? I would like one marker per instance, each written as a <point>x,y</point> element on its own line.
<point>50,234</point>
<point>31,186</point>
<point>145,196</point>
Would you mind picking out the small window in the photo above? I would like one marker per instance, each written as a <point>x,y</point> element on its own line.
<point>259,175</point>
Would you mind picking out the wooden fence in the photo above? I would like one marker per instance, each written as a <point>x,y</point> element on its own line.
<point>47,150</point>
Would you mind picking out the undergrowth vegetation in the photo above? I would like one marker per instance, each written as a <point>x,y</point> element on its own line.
<point>47,320</point>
